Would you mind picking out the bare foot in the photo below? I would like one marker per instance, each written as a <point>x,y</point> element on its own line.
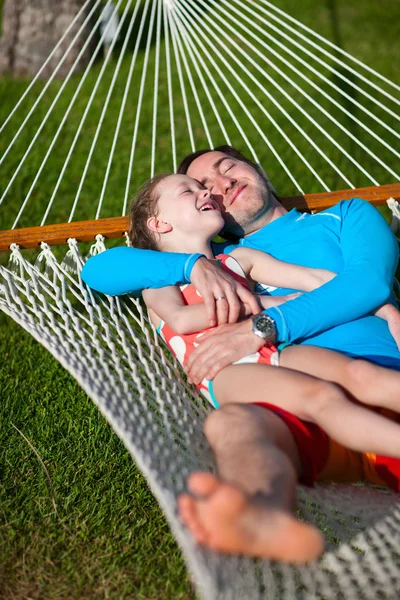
<point>225,519</point>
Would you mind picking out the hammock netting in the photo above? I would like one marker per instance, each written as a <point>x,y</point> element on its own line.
<point>177,77</point>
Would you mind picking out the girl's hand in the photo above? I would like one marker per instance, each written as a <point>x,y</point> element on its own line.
<point>269,301</point>
<point>389,313</point>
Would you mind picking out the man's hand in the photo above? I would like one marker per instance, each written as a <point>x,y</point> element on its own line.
<point>221,347</point>
<point>223,296</point>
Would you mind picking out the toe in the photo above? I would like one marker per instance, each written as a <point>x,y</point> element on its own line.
<point>188,513</point>
<point>187,508</point>
<point>202,484</point>
<point>229,500</point>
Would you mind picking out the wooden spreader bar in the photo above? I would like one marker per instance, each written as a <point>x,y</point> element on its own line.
<point>377,195</point>
<point>85,231</point>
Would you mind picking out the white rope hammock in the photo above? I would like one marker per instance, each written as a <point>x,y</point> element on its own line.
<point>194,74</point>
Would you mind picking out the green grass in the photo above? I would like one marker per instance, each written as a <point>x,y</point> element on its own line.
<point>110,539</point>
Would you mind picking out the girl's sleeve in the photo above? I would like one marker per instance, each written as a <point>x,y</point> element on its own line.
<point>126,270</point>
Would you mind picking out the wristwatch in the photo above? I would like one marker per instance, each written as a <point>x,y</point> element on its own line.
<point>264,326</point>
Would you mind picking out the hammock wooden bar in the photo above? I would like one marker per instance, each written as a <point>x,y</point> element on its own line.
<point>85,231</point>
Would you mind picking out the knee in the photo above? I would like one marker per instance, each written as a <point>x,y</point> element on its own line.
<point>233,421</point>
<point>361,372</point>
<point>320,396</point>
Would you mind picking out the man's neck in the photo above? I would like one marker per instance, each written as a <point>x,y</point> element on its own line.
<point>273,213</point>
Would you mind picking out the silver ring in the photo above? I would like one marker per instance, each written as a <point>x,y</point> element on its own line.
<point>220,298</point>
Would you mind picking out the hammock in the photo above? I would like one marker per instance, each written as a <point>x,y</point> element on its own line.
<point>308,111</point>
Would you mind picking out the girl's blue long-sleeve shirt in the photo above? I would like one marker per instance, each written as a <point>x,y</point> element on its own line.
<point>351,239</point>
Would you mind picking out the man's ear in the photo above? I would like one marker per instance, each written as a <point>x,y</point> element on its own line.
<point>158,225</point>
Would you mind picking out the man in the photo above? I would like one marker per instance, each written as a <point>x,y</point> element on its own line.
<point>261,451</point>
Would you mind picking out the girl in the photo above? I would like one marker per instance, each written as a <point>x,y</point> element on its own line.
<point>176,213</point>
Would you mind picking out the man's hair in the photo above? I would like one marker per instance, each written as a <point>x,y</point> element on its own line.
<point>143,206</point>
<point>229,150</point>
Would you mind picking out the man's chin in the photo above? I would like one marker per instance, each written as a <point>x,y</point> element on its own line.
<point>233,226</point>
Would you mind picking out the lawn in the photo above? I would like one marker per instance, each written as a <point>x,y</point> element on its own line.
<point>109,539</point>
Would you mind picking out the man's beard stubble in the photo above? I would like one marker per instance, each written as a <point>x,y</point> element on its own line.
<point>242,222</point>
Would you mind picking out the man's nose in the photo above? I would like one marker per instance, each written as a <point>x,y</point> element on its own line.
<point>223,184</point>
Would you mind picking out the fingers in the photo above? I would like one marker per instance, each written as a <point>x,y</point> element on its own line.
<point>221,347</point>
<point>234,305</point>
<point>224,304</point>
<point>220,291</point>
<point>219,302</point>
<point>217,306</point>
<point>197,359</point>
<point>211,356</point>
<point>248,298</point>
<point>227,301</point>
<point>209,302</point>
<point>208,364</point>
<point>223,309</point>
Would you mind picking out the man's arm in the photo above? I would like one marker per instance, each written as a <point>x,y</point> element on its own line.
<point>126,270</point>
<point>370,252</point>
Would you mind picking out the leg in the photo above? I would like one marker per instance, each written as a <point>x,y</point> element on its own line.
<point>313,400</point>
<point>368,383</point>
<point>248,508</point>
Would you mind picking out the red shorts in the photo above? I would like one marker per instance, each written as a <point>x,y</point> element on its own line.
<point>323,459</point>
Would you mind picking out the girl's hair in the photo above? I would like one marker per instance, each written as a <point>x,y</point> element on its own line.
<point>143,206</point>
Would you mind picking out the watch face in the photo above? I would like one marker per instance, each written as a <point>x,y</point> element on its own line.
<point>264,324</point>
<point>264,327</point>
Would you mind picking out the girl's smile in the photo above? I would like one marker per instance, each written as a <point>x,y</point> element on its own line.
<point>188,215</point>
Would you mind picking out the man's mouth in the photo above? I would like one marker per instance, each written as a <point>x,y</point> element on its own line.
<point>236,193</point>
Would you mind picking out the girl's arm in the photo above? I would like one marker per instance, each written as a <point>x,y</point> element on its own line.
<point>168,304</point>
<point>264,268</point>
<point>269,301</point>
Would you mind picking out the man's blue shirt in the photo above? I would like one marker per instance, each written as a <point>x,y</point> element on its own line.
<point>351,239</point>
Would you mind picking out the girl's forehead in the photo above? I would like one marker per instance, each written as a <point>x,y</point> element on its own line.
<point>175,182</point>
